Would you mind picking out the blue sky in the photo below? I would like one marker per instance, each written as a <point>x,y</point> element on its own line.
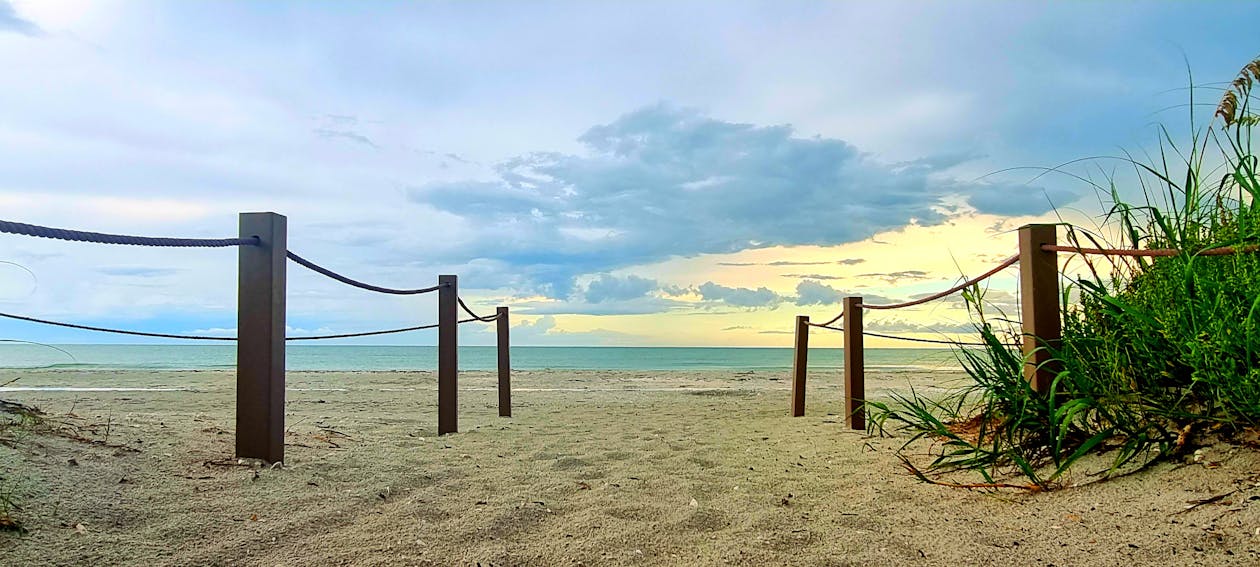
<point>637,173</point>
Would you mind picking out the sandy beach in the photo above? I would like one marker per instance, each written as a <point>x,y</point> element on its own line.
<point>595,468</point>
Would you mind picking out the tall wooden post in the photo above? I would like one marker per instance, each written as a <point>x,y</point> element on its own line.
<point>800,363</point>
<point>448,355</point>
<point>1039,299</point>
<point>260,338</point>
<point>854,363</point>
<point>505,364</point>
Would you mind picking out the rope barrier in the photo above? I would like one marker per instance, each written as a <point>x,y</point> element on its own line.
<point>115,331</point>
<point>911,339</point>
<point>933,341</point>
<point>101,238</point>
<point>1154,252</point>
<point>207,338</point>
<point>464,306</point>
<point>355,283</point>
<point>829,321</point>
<point>1005,264</point>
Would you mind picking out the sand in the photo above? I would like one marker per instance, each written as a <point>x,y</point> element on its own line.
<point>595,468</point>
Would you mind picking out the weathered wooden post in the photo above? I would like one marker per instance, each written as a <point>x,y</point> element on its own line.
<point>260,331</point>
<point>1039,298</point>
<point>800,363</point>
<point>448,355</point>
<point>854,363</point>
<point>505,364</point>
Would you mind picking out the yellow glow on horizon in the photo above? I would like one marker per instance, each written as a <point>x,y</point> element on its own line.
<point>966,245</point>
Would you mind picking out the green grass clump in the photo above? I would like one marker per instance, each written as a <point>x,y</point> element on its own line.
<point>1153,351</point>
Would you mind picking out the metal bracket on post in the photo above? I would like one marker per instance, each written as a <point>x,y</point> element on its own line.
<point>1039,299</point>
<point>505,364</point>
<point>800,364</point>
<point>448,355</point>
<point>260,338</point>
<point>854,364</point>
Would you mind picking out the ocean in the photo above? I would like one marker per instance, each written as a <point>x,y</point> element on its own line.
<point>306,357</point>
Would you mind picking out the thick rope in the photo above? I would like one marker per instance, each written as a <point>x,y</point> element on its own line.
<point>115,331</point>
<point>464,306</point>
<point>1155,252</point>
<point>911,339</point>
<point>916,340</point>
<point>100,238</point>
<point>828,322</point>
<point>973,281</point>
<point>206,338</point>
<point>345,280</point>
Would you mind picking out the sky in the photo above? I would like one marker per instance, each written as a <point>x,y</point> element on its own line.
<point>634,174</point>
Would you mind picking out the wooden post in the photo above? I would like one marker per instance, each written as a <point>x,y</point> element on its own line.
<point>448,355</point>
<point>1039,299</point>
<point>800,363</point>
<point>505,365</point>
<point>854,363</point>
<point>260,338</point>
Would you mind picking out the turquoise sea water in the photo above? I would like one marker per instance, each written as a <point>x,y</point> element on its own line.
<point>209,357</point>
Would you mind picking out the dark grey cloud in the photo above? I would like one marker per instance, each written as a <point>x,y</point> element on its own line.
<point>809,292</point>
<point>10,21</point>
<point>1016,200</point>
<point>663,181</point>
<point>638,306</point>
<point>775,332</point>
<point>738,296</point>
<point>346,135</point>
<point>607,287</point>
<point>610,295</point>
<point>736,328</point>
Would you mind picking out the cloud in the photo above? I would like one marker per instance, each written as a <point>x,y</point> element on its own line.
<point>738,296</point>
<point>608,287</point>
<point>346,135</point>
<point>608,294</point>
<point>735,328</point>
<point>637,306</point>
<point>10,21</point>
<point>544,331</point>
<point>813,276</point>
<point>789,263</point>
<point>809,292</point>
<point>664,181</point>
<point>903,326</point>
<point>844,262</point>
<point>137,271</point>
<point>527,331</point>
<point>894,277</point>
<point>1015,199</point>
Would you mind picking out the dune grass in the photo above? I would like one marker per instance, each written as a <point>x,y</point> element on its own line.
<point>1154,351</point>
